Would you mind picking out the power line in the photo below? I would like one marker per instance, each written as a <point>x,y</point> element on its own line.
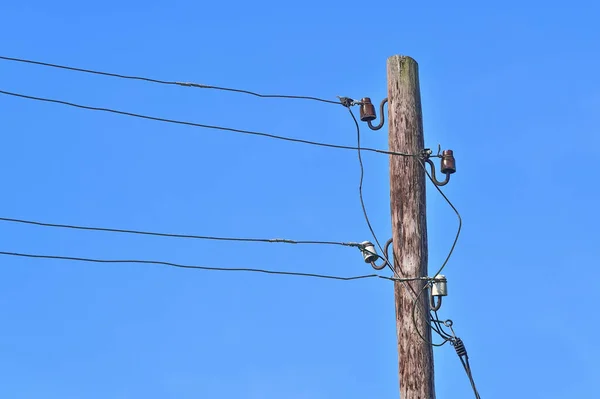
<point>457,215</point>
<point>440,325</point>
<point>360,193</point>
<point>166,82</point>
<point>436,326</point>
<point>459,347</point>
<point>366,215</point>
<point>154,262</point>
<point>179,122</point>
<point>433,326</point>
<point>414,319</point>
<point>417,297</point>
<point>190,236</point>
<point>461,351</point>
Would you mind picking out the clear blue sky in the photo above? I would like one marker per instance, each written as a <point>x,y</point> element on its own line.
<point>514,89</point>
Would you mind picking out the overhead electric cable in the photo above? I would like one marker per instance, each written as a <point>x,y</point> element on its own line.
<point>171,264</point>
<point>360,193</point>
<point>167,82</point>
<point>190,236</point>
<point>179,122</point>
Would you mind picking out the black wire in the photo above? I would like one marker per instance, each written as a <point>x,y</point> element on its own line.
<point>436,325</point>
<point>364,209</point>
<point>457,215</point>
<point>440,326</point>
<point>446,337</point>
<point>272,136</point>
<point>433,323</point>
<point>471,379</point>
<point>150,233</point>
<point>467,367</point>
<point>153,262</point>
<point>414,320</point>
<point>166,82</point>
<point>360,192</point>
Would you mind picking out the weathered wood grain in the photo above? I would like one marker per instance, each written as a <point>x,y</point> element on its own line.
<point>409,224</point>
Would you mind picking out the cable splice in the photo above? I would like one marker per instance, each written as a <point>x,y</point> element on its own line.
<point>166,82</point>
<point>172,235</point>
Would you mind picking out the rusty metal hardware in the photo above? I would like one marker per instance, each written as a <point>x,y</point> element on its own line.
<point>447,167</point>
<point>368,114</point>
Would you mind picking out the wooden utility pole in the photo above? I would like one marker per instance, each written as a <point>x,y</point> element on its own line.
<point>409,226</point>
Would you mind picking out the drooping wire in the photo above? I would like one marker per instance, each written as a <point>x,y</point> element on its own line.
<point>166,82</point>
<point>436,322</point>
<point>360,186</point>
<point>153,262</point>
<point>440,326</point>
<point>460,349</point>
<point>190,236</point>
<point>186,123</point>
<point>457,215</point>
<point>437,325</point>
<point>414,319</point>
<point>360,193</point>
<point>416,299</point>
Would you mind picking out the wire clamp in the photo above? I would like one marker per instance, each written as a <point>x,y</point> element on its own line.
<point>348,102</point>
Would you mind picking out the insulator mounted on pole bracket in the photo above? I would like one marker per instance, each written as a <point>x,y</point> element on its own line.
<point>367,110</point>
<point>370,255</point>
<point>368,113</point>
<point>368,250</point>
<point>439,289</point>
<point>447,165</point>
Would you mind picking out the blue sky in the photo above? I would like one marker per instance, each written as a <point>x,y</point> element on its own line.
<point>512,89</point>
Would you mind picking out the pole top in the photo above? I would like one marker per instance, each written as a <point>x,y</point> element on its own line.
<point>402,58</point>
